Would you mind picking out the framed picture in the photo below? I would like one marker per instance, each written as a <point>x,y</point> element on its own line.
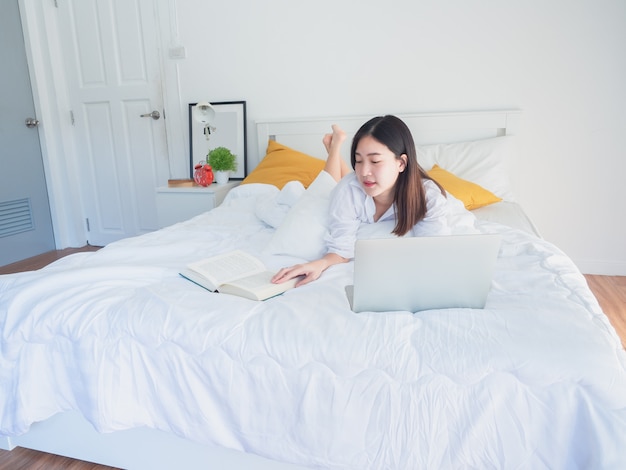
<point>229,132</point>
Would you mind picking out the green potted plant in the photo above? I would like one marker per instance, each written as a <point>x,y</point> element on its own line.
<point>222,161</point>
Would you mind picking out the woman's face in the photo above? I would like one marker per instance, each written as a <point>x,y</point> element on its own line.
<point>377,168</point>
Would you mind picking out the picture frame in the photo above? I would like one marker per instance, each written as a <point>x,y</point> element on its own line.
<point>230,132</point>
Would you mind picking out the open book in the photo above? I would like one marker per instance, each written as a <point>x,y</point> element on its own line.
<point>236,273</point>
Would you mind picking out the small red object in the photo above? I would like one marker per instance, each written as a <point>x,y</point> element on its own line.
<point>203,174</point>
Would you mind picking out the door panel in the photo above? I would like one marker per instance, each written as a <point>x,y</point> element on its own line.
<point>99,136</point>
<point>112,47</point>
<point>141,138</point>
<point>25,222</point>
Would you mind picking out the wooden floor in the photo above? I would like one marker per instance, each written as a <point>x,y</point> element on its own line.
<point>26,459</point>
<point>609,290</point>
<point>40,261</point>
<point>611,294</point>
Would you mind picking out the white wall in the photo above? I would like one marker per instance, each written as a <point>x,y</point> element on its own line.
<point>562,62</point>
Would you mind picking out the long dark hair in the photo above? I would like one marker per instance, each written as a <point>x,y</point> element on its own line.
<point>409,195</point>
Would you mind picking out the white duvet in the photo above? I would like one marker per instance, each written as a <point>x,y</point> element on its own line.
<point>535,380</point>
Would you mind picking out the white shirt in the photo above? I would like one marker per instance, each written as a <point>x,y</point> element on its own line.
<point>350,207</point>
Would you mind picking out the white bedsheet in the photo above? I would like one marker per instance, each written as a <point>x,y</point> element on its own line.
<point>535,380</point>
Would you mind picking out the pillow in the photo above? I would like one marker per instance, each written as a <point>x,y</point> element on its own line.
<point>472,195</point>
<point>273,210</point>
<point>282,164</point>
<point>302,232</point>
<point>484,162</point>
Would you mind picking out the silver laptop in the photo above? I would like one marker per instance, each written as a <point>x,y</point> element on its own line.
<point>423,273</point>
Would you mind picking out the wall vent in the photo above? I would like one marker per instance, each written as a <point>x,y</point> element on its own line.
<point>15,217</point>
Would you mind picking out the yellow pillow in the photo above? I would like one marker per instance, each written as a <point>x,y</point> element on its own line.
<point>472,195</point>
<point>283,164</point>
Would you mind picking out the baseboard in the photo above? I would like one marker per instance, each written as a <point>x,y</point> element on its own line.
<point>6,443</point>
<point>601,268</point>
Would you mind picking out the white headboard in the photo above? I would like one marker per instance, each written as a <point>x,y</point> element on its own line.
<point>305,135</point>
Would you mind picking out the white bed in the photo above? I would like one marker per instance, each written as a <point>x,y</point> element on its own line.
<point>113,357</point>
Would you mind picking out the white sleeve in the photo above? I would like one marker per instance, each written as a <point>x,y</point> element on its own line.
<point>436,220</point>
<point>343,220</point>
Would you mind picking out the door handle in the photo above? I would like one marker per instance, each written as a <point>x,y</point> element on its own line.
<point>154,115</point>
<point>32,122</point>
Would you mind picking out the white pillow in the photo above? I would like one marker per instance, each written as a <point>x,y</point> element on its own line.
<point>250,190</point>
<point>484,162</point>
<point>273,210</point>
<point>301,234</point>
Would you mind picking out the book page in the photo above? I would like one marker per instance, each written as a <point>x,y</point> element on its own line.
<point>255,282</point>
<point>228,267</point>
<point>257,287</point>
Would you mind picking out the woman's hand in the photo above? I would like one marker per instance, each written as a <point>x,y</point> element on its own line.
<point>308,271</point>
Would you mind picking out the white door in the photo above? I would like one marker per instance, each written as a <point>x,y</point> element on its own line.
<point>25,222</point>
<point>111,51</point>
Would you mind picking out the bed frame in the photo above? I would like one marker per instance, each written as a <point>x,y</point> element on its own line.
<point>427,128</point>
<point>70,434</point>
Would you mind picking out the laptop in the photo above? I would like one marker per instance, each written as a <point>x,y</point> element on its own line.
<point>423,273</point>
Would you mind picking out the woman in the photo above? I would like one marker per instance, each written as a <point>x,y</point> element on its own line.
<point>387,185</point>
